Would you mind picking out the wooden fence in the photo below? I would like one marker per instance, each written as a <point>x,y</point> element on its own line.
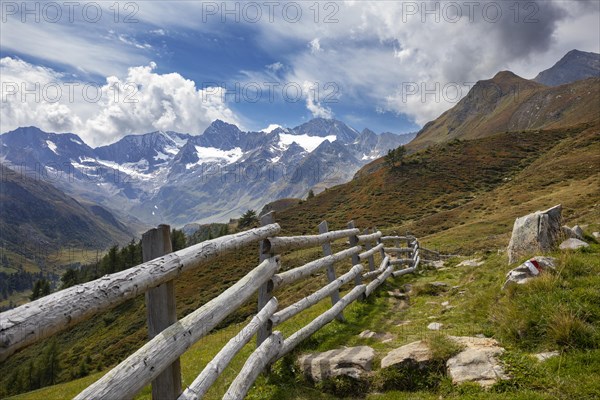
<point>157,362</point>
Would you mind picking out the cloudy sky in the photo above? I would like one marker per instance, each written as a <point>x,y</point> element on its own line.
<point>107,69</point>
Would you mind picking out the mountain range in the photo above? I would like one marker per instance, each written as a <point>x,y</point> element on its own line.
<point>177,178</point>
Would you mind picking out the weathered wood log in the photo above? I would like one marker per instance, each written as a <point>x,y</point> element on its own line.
<point>407,270</point>
<point>369,237</point>
<point>295,274</point>
<point>368,247</point>
<point>335,295</point>
<point>416,263</point>
<point>309,301</point>
<point>353,240</point>
<point>397,250</point>
<point>400,261</point>
<point>374,284</point>
<point>215,367</point>
<point>379,241</point>
<point>396,237</point>
<point>161,310</point>
<point>255,364</point>
<point>382,267</point>
<point>323,319</point>
<point>403,271</point>
<point>140,368</point>
<point>58,311</point>
<point>370,253</point>
<point>265,292</point>
<point>278,245</point>
<point>415,255</point>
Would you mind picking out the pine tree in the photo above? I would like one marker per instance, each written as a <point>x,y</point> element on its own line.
<point>248,219</point>
<point>177,239</point>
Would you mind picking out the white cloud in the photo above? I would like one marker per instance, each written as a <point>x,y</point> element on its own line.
<point>142,101</point>
<point>312,102</point>
<point>276,66</point>
<point>315,46</point>
<point>379,48</point>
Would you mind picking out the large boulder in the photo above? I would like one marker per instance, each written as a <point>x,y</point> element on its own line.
<point>530,269</point>
<point>354,362</point>
<point>537,232</point>
<point>413,354</point>
<point>477,363</point>
<point>572,244</point>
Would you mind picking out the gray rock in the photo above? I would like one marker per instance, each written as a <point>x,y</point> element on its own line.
<point>355,362</point>
<point>578,231</point>
<point>477,362</point>
<point>415,353</point>
<point>383,337</point>
<point>475,262</point>
<point>596,235</point>
<point>568,232</point>
<point>529,269</point>
<point>435,326</point>
<point>546,355</point>
<point>535,232</point>
<point>572,244</point>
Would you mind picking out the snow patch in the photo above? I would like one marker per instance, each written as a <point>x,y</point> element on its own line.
<point>270,128</point>
<point>308,143</point>
<point>212,154</point>
<point>76,141</point>
<point>161,156</point>
<point>135,169</point>
<point>51,146</point>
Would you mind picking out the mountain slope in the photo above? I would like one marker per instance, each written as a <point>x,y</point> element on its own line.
<point>466,188</point>
<point>574,66</point>
<point>510,103</point>
<point>35,216</point>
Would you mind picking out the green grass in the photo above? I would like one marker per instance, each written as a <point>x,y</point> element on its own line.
<point>479,306</point>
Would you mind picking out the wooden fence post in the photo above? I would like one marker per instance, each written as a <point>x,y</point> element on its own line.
<point>161,311</point>
<point>335,296</point>
<point>355,257</point>
<point>265,292</point>
<point>367,248</point>
<point>379,241</point>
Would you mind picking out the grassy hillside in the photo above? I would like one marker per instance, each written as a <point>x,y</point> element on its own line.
<point>466,189</point>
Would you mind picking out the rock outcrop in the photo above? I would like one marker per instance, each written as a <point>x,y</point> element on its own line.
<point>354,362</point>
<point>415,354</point>
<point>536,232</point>
<point>477,363</point>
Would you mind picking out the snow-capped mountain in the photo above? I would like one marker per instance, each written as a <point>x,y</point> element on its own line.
<point>179,178</point>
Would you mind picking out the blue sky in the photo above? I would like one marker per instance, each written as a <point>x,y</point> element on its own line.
<point>188,63</point>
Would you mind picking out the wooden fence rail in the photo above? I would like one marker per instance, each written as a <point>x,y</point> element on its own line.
<point>159,357</point>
